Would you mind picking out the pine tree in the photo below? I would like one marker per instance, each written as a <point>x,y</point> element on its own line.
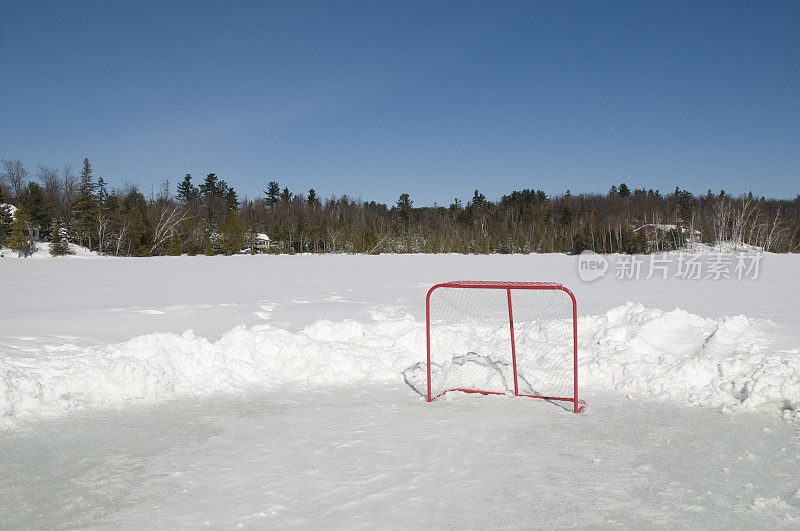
<point>210,188</point>
<point>565,214</point>
<point>273,191</point>
<point>404,207</point>
<point>686,204</point>
<point>231,197</point>
<point>624,191</point>
<point>139,233</point>
<point>211,192</point>
<point>36,206</point>
<point>102,190</point>
<point>59,246</point>
<point>5,219</point>
<point>19,233</point>
<point>187,192</point>
<point>478,199</point>
<point>231,234</point>
<point>312,200</point>
<point>85,209</point>
<point>174,247</point>
<point>286,195</point>
<point>208,245</point>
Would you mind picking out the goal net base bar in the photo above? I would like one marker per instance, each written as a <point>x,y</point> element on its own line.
<point>581,405</point>
<point>578,405</point>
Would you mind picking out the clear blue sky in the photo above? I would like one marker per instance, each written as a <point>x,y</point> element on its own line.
<point>435,99</point>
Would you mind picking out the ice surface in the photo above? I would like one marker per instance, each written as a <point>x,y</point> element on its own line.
<point>379,456</point>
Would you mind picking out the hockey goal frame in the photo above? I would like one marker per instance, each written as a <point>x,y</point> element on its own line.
<point>578,405</point>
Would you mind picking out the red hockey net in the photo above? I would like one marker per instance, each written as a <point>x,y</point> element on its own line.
<point>515,338</point>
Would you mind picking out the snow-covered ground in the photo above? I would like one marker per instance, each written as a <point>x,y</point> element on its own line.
<point>41,251</point>
<point>286,404</point>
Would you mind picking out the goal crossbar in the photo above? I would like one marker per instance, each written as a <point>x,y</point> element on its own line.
<point>578,405</point>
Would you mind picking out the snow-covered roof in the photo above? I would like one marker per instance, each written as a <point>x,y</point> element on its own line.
<point>666,227</point>
<point>262,236</point>
<point>659,226</point>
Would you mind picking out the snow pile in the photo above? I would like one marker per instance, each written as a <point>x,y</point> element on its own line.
<point>722,247</point>
<point>730,362</point>
<point>677,355</point>
<point>158,366</point>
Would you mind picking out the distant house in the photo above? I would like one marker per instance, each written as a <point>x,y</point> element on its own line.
<point>262,242</point>
<point>654,231</point>
<point>659,232</point>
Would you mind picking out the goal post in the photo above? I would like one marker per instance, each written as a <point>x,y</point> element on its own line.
<point>504,338</point>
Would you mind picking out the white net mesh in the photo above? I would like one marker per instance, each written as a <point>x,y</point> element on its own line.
<point>470,340</point>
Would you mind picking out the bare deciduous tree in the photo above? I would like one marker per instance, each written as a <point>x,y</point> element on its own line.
<point>169,217</point>
<point>15,174</point>
<point>53,186</point>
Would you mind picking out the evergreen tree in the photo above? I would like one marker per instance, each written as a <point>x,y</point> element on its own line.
<point>85,209</point>
<point>209,188</point>
<point>231,197</point>
<point>102,191</point>
<point>404,203</point>
<point>208,245</point>
<point>686,204</point>
<point>286,195</point>
<point>187,192</point>
<point>5,219</point>
<point>273,191</point>
<point>624,191</point>
<point>565,216</point>
<point>312,200</point>
<point>212,191</point>
<point>19,240</point>
<point>34,202</point>
<point>174,247</point>
<point>231,234</point>
<point>59,246</point>
<point>139,239</point>
<point>478,199</point>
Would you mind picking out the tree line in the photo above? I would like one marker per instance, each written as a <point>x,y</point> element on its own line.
<point>208,217</point>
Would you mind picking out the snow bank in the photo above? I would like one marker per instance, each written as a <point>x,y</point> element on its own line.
<point>725,362</point>
<point>729,362</point>
<point>158,366</point>
<point>722,247</point>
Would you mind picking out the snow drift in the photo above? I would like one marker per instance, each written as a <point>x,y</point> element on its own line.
<point>157,366</point>
<point>729,362</point>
